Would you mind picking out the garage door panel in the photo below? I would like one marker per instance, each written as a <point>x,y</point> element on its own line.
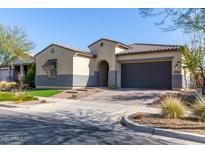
<point>152,75</point>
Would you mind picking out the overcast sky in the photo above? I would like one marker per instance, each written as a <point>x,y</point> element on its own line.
<point>80,27</point>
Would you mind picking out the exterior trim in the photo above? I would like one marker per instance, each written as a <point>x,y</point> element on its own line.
<point>147,60</point>
<point>176,45</point>
<point>146,52</point>
<point>122,44</point>
<point>177,81</point>
<point>67,48</point>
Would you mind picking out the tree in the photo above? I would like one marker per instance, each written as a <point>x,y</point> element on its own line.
<point>194,57</point>
<point>189,19</point>
<point>14,44</point>
<point>30,76</point>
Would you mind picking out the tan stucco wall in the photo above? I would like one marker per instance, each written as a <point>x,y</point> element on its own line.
<point>106,52</point>
<point>64,60</point>
<point>83,65</point>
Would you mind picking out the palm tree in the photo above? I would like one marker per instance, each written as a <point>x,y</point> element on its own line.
<point>191,63</point>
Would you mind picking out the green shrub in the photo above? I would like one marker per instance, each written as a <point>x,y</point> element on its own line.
<point>7,96</point>
<point>19,97</point>
<point>199,110</point>
<point>172,107</point>
<point>30,76</point>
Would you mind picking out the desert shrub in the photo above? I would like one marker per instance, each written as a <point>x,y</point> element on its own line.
<point>24,97</point>
<point>199,110</point>
<point>9,96</point>
<point>172,107</point>
<point>11,85</point>
<point>3,85</point>
<point>6,86</point>
<point>30,76</point>
<point>188,97</point>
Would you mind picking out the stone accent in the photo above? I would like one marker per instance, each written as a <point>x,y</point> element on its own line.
<point>67,80</point>
<point>112,78</point>
<point>60,80</point>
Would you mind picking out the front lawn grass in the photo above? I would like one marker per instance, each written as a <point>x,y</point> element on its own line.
<point>44,93</point>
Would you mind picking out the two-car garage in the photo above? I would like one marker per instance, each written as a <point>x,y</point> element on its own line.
<point>147,75</point>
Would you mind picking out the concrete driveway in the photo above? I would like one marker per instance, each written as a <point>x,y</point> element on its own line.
<point>73,122</point>
<point>126,96</point>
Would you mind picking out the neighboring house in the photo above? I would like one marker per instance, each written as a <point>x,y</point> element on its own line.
<point>113,64</point>
<point>18,67</point>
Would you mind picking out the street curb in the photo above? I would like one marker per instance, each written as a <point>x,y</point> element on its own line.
<point>125,121</point>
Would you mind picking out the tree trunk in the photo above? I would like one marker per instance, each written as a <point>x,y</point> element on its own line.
<point>203,77</point>
<point>196,78</point>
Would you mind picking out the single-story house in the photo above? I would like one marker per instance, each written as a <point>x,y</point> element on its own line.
<point>18,67</point>
<point>113,64</point>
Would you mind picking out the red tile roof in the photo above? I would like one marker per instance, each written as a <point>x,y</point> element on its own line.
<point>146,48</point>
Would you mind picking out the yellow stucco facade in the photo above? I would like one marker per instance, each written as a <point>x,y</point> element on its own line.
<point>83,65</point>
<point>104,50</point>
<point>63,56</point>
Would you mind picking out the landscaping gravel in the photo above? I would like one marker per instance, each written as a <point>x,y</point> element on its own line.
<point>183,124</point>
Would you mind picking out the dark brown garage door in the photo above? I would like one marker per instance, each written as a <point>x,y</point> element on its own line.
<point>149,75</point>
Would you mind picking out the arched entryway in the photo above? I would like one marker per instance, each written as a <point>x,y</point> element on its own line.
<point>103,73</point>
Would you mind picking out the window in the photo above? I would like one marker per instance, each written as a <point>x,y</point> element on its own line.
<point>50,68</point>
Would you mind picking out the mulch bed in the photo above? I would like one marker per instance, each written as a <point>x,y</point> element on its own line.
<point>191,125</point>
